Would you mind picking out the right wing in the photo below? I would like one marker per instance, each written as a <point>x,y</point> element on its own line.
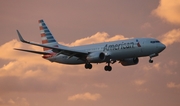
<point>65,51</point>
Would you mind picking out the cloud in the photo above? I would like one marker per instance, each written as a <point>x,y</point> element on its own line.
<point>9,53</point>
<point>168,10</point>
<point>139,82</point>
<point>1,101</point>
<point>96,38</point>
<point>173,63</point>
<point>168,66</point>
<point>173,85</point>
<point>85,96</point>
<point>170,72</point>
<point>27,65</point>
<point>155,66</point>
<point>171,37</point>
<point>146,25</point>
<point>14,102</point>
<point>22,101</point>
<point>139,85</point>
<point>11,102</point>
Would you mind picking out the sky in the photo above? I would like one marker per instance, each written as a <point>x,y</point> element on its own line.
<point>28,80</point>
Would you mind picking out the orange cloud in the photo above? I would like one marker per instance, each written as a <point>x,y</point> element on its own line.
<point>85,96</point>
<point>146,25</point>
<point>14,102</point>
<point>171,37</point>
<point>139,82</point>
<point>26,65</point>
<point>1,101</point>
<point>168,10</point>
<point>11,102</point>
<point>96,38</point>
<point>155,66</point>
<point>173,85</point>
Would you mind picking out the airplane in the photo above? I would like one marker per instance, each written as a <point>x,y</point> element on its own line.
<point>126,52</point>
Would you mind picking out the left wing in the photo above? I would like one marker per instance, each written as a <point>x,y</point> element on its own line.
<point>65,51</point>
<point>31,51</point>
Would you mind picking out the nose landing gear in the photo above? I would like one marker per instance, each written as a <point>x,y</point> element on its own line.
<point>150,60</point>
<point>151,56</point>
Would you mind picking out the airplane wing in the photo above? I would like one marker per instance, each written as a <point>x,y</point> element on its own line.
<point>65,51</point>
<point>31,51</point>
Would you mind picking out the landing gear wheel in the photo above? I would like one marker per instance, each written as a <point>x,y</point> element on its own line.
<point>150,61</point>
<point>88,66</point>
<point>107,68</point>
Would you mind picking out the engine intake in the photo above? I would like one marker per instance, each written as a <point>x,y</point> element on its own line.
<point>96,57</point>
<point>130,61</point>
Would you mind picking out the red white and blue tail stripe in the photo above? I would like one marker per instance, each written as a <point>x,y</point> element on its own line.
<point>46,36</point>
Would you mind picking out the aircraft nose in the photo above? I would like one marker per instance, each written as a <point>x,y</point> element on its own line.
<point>161,47</point>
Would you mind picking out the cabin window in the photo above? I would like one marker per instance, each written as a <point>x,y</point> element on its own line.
<point>154,42</point>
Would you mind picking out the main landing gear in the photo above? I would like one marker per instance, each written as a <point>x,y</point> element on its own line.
<point>108,67</point>
<point>88,66</point>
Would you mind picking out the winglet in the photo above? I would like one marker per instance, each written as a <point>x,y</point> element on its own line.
<point>21,38</point>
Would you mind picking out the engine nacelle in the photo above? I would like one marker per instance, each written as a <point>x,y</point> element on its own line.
<point>96,57</point>
<point>130,61</point>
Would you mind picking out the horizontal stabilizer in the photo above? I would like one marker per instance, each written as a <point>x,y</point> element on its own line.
<point>31,51</point>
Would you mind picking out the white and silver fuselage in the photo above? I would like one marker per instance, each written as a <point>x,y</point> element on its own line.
<point>117,50</point>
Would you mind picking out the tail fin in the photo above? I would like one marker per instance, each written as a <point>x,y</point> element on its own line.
<point>46,36</point>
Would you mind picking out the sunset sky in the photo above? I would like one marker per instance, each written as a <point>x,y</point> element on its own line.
<point>28,80</point>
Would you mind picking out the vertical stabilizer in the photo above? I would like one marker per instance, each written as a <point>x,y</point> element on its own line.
<point>46,36</point>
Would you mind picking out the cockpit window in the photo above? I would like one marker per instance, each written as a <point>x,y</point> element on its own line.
<point>155,41</point>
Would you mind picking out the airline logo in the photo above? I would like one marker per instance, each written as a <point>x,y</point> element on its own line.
<point>138,44</point>
<point>46,35</point>
<point>119,46</point>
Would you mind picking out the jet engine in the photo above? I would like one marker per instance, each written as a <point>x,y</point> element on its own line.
<point>129,61</point>
<point>96,57</point>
